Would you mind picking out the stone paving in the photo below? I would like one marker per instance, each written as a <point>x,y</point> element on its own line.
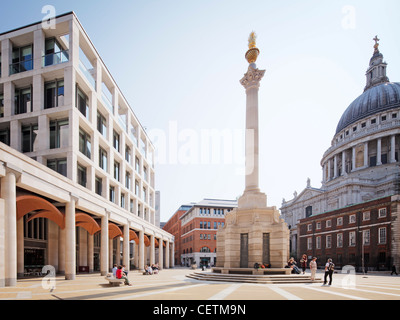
<point>172,284</point>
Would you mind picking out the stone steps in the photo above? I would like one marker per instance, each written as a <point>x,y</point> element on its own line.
<point>243,278</point>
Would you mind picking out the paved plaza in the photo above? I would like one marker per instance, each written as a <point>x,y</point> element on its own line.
<point>172,284</point>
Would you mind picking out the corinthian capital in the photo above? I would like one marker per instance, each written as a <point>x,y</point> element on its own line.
<point>252,78</point>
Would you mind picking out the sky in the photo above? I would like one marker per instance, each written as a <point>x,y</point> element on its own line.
<point>179,63</point>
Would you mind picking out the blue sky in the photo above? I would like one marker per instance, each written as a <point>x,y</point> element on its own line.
<point>179,63</point>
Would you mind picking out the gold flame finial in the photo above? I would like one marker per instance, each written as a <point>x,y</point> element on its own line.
<point>253,52</point>
<point>252,40</point>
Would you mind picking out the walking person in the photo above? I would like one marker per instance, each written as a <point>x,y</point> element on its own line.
<point>313,268</point>
<point>329,268</point>
<point>303,262</point>
<point>394,270</point>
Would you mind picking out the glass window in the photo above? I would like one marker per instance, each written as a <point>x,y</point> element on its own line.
<point>328,243</point>
<point>339,240</point>
<point>59,130</point>
<point>23,100</point>
<point>137,187</point>
<point>122,201</point>
<point>82,102</point>
<point>116,141</point>
<point>22,59</point>
<point>102,125</point>
<point>366,236</point>
<point>116,171</point>
<point>382,235</point>
<point>5,136</point>
<point>81,179</point>
<point>382,213</point>
<point>102,159</point>
<point>137,165</point>
<point>54,53</point>
<point>29,134</point>
<point>352,238</point>
<point>58,165</point>
<point>127,180</point>
<point>85,145</point>
<point>98,185</point>
<point>112,194</point>
<point>54,94</point>
<point>128,154</point>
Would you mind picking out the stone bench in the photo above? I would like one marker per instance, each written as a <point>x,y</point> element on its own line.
<point>114,281</point>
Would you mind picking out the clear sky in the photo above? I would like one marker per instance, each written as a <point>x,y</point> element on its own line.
<point>178,63</point>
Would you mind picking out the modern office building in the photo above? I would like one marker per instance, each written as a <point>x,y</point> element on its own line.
<point>360,167</point>
<point>76,165</point>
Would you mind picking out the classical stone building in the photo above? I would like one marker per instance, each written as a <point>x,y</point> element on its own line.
<point>362,163</point>
<point>76,166</point>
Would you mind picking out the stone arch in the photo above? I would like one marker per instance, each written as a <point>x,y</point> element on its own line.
<point>43,208</point>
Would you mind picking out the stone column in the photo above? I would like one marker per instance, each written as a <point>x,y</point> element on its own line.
<point>152,250</point>
<point>111,254</point>
<point>366,154</point>
<point>251,82</point>
<point>90,245</point>
<point>379,152</point>
<point>70,239</point>
<point>335,166</point>
<point>343,163</point>
<point>141,250</point>
<point>8,193</point>
<point>104,245</point>
<point>126,253</point>
<point>160,254</point>
<point>392,149</point>
<point>167,255</point>
<point>172,254</point>
<point>353,158</point>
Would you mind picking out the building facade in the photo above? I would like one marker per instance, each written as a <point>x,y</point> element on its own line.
<point>359,235</point>
<point>76,164</point>
<point>199,230</point>
<point>173,226</point>
<point>362,163</point>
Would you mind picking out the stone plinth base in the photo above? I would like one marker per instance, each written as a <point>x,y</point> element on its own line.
<point>266,238</point>
<point>268,271</point>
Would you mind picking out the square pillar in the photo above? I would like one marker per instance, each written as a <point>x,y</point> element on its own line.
<point>104,245</point>
<point>70,239</point>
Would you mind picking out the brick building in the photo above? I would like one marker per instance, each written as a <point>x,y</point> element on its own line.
<point>195,230</point>
<point>174,227</point>
<point>365,231</point>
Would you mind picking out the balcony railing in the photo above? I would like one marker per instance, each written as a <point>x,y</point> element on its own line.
<point>21,66</point>
<point>107,102</point>
<point>87,74</point>
<point>55,58</point>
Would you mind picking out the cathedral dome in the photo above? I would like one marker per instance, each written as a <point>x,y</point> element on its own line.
<point>376,99</point>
